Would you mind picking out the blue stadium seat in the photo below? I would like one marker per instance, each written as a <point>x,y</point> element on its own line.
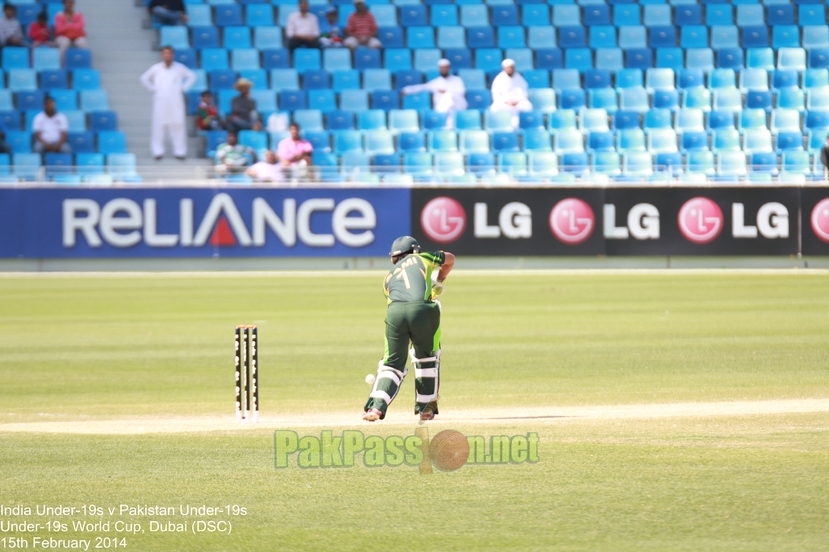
<point>780,14</point>
<point>354,100</point>
<point>603,36</point>
<point>505,15</point>
<point>291,100</point>
<point>420,37</point>
<point>397,59</point>
<point>186,56</point>
<point>480,37</point>
<point>376,79</point>
<point>413,16</point>
<point>276,58</point>
<point>94,100</point>
<point>572,37</point>
<point>626,14</point>
<point>475,15</point>
<point>234,37</point>
<point>598,14</point>
<point>259,14</point>
<point>511,37</point>
<point>339,120</point>
<point>29,100</point>
<point>785,36</point>
<point>366,58</point>
<point>103,120</point>
<point>411,142</point>
<point>205,37</point>
<point>46,59</point>
<point>551,59</point>
<point>388,99</point>
<point>267,38</point>
<point>406,78</point>
<point>451,37</point>
<point>460,58</point>
<point>112,142</point>
<point>478,99</point>
<point>214,58</point>
<point>443,15</point>
<point>52,79</point>
<point>284,79</point>
<point>566,15</point>
<point>316,80</point>
<point>690,14</point>
<point>639,58</point>
<point>228,15</point>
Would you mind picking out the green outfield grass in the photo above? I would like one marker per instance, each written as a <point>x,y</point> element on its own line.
<point>97,348</point>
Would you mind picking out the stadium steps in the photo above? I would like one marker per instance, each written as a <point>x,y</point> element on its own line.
<point>121,52</point>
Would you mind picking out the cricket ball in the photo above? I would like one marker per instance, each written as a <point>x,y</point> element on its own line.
<point>449,450</point>
<point>370,378</point>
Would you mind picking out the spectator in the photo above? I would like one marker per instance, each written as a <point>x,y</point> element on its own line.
<point>39,32</point>
<point>168,12</point>
<point>51,129</point>
<point>509,92</point>
<point>448,92</point>
<point>294,153</point>
<point>267,170</point>
<point>303,28</point>
<point>233,157</point>
<point>207,115</point>
<point>4,147</point>
<point>243,114</point>
<point>168,80</point>
<point>69,28</point>
<point>11,32</point>
<point>824,158</point>
<point>332,34</point>
<point>361,28</point>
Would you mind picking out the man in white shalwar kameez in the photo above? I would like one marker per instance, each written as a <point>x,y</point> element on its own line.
<point>168,80</point>
<point>509,92</point>
<point>448,92</point>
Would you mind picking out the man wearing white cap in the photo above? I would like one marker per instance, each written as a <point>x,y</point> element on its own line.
<point>448,92</point>
<point>509,92</point>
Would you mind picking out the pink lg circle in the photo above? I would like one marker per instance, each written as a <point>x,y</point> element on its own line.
<point>443,220</point>
<point>820,220</point>
<point>700,220</point>
<point>572,221</point>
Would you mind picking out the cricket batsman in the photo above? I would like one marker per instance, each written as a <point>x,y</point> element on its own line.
<point>413,316</point>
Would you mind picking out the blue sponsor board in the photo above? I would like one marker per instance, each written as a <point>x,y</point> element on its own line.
<point>199,222</point>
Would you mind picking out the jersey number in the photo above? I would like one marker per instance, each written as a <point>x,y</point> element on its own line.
<point>405,279</point>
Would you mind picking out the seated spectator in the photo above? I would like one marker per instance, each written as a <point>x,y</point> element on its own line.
<point>51,130</point>
<point>267,170</point>
<point>11,32</point>
<point>207,115</point>
<point>243,114</point>
<point>70,28</point>
<point>448,92</point>
<point>332,33</point>
<point>294,154</point>
<point>303,28</point>
<point>509,92</point>
<point>39,32</point>
<point>233,157</point>
<point>168,12</point>
<point>361,28</point>
<point>4,147</point>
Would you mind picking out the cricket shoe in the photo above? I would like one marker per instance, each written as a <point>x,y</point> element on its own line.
<point>372,415</point>
<point>429,411</point>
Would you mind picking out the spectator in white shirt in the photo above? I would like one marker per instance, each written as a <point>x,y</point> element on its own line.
<point>268,170</point>
<point>303,28</point>
<point>448,92</point>
<point>51,130</point>
<point>509,92</point>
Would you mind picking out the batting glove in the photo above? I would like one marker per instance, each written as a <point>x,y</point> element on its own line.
<point>437,289</point>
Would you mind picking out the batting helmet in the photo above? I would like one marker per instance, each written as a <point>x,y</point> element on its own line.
<point>404,245</point>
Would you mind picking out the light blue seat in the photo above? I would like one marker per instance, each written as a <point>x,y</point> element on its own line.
<point>284,79</point>
<point>750,15</point>
<point>568,141</point>
<point>731,163</point>
<point>629,78</point>
<point>728,99</point>
<point>543,99</point>
<point>336,59</point>
<point>420,37</point>
<point>634,99</point>
<point>784,120</point>
<point>26,165</point>
<point>403,120</point>
<point>259,14</point>
<point>309,120</point>
<point>371,119</point>
<point>537,140</point>
<point>791,98</point>
<point>266,38</point>
<point>442,140</point>
<point>693,36</point>
<point>564,79</point>
<point>287,9</point>
<point>76,120</point>
<point>234,37</point>
<point>701,162</point>
<point>376,79</point>
<point>542,163</point>
<point>593,120</point>
<point>815,78</point>
<point>609,59</point>
<point>724,36</point>
<point>451,37</point>
<point>751,119</point>
<point>818,99</point>
<point>94,100</point>
<point>379,142</point>
<point>631,139</point>
<point>760,58</point>
<point>307,59</point>
<point>513,163</point>
<point>604,98</point>
<point>385,15</point>
<point>566,15</point>
<point>657,15</point>
<point>754,79</point>
<point>794,163</point>
<point>601,36</point>
<point>473,79</point>
<point>605,162</point>
<point>511,37</point>
<point>637,163</point>
<point>500,121</point>
<point>265,100</point>
<point>86,79</point>
<point>659,79</point>
<point>792,59</point>
<point>244,59</point>
<point>48,58</point>
<point>199,15</point>
<point>398,59</point>
<point>699,58</point>
<point>488,59</point>
<point>523,58</point>
<point>725,139</point>
<point>662,140</point>
<point>426,59</point>
<point>535,14</point>
<point>354,100</point>
<point>22,79</point>
<point>633,37</point>
<point>475,15</point>
<point>697,98</point>
<point>474,141</point>
<point>757,140</point>
<point>347,141</point>
<point>449,164</point>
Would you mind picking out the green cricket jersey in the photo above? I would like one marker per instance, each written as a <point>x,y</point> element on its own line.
<point>411,278</point>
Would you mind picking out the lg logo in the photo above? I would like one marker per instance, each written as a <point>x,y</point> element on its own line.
<point>820,220</point>
<point>443,220</point>
<point>700,220</point>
